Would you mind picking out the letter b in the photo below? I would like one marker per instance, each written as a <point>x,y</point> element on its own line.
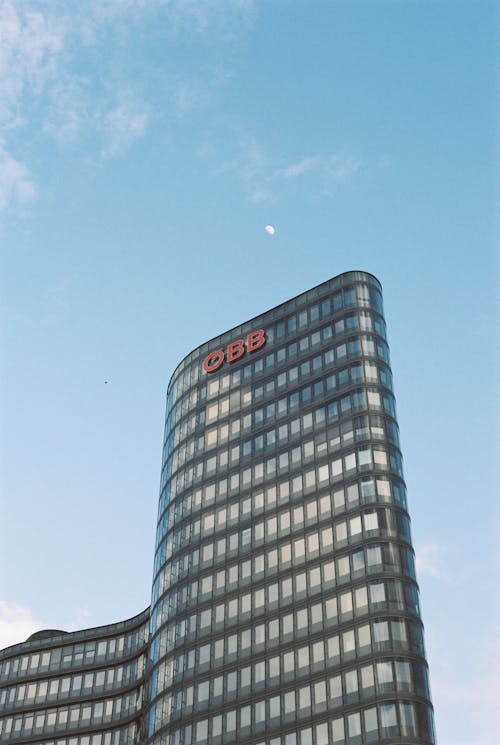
<point>235,350</point>
<point>256,340</point>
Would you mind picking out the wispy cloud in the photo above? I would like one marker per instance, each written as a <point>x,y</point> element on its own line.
<point>187,95</point>
<point>193,15</point>
<point>66,74</point>
<point>17,623</point>
<point>264,176</point>
<point>31,43</point>
<point>342,166</point>
<point>68,114</point>
<point>431,559</point>
<point>251,165</point>
<point>16,184</point>
<point>304,165</point>
<point>126,122</point>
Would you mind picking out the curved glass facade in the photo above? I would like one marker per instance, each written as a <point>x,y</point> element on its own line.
<point>79,688</point>
<point>284,605</point>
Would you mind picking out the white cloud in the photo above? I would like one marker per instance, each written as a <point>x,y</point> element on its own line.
<point>188,95</point>
<point>297,169</point>
<point>338,167</point>
<point>225,15</point>
<point>264,176</point>
<point>195,15</point>
<point>342,166</point>
<point>122,125</point>
<point>61,65</point>
<point>30,46</point>
<point>16,624</point>
<point>252,166</point>
<point>430,559</point>
<point>15,181</point>
<point>67,114</point>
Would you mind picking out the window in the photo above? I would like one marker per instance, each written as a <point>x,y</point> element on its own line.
<point>338,733</point>
<point>331,610</point>
<point>322,734</point>
<point>350,462</point>
<point>301,621</point>
<point>304,699</point>
<point>204,654</point>
<point>367,679</point>
<point>346,605</point>
<point>388,721</point>
<point>259,672</point>
<point>371,724</point>
<point>371,521</point>
<point>341,532</point>
<point>351,685</point>
<point>384,677</point>
<point>314,580</point>
<point>300,584</point>
<point>312,545</point>
<point>354,727</point>
<point>373,556</point>
<point>274,707</point>
<point>361,600</point>
<point>259,712</point>
<point>299,550</point>
<point>348,643</point>
<point>407,718</point>
<point>358,563</point>
<point>403,675</point>
<point>318,654</point>
<point>380,632</point>
<point>355,526</point>
<point>289,702</point>
<point>203,692</point>
<point>274,667</point>
<point>343,569</point>
<point>287,625</point>
<point>377,595</point>
<point>336,468</point>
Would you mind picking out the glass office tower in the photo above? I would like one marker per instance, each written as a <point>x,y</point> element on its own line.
<point>284,606</point>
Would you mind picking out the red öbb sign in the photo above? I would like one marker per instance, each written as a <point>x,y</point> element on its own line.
<point>236,349</point>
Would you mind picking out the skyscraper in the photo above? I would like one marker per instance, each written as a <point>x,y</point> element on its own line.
<point>284,605</point>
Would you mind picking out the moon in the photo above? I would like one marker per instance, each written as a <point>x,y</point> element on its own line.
<point>270,229</point>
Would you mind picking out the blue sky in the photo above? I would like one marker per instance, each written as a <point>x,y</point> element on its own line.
<point>144,146</point>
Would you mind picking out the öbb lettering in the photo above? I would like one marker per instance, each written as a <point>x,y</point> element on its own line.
<point>234,351</point>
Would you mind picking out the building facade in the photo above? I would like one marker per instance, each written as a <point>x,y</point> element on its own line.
<point>79,688</point>
<point>284,604</point>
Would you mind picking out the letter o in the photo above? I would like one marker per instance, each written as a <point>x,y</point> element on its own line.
<point>213,361</point>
